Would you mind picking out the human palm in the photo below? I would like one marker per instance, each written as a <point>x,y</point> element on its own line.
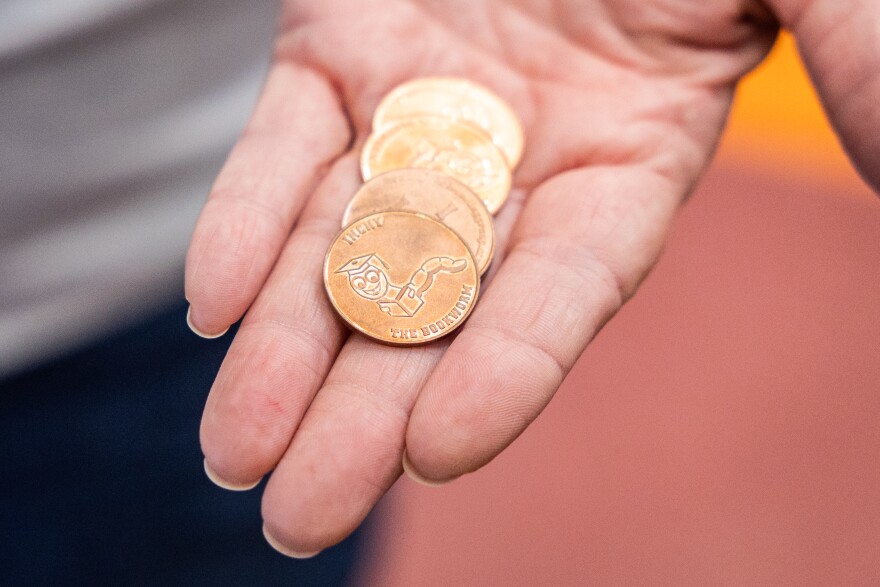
<point>622,103</point>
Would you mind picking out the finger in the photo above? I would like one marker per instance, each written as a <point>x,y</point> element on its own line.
<point>584,241</point>
<point>347,453</point>
<point>283,349</point>
<point>296,131</point>
<point>840,42</point>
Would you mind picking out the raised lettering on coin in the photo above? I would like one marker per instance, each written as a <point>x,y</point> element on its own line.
<point>406,280</point>
<point>434,194</point>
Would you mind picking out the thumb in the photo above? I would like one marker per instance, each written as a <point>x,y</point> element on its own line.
<point>840,44</point>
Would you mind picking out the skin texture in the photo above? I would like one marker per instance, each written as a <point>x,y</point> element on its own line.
<point>622,103</point>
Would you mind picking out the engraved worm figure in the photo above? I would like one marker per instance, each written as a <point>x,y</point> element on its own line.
<point>368,278</point>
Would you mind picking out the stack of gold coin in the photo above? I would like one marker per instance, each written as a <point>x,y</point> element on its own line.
<point>417,236</point>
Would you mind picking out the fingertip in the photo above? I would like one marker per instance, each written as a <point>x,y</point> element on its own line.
<point>231,254</point>
<point>228,485</point>
<point>275,544</point>
<point>199,331</point>
<point>413,474</point>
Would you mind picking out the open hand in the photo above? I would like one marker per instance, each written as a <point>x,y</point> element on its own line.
<point>622,103</point>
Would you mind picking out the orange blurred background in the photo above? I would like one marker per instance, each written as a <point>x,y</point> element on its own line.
<point>724,428</point>
<point>777,124</point>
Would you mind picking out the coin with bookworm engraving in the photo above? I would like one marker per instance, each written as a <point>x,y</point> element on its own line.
<point>401,277</point>
<point>455,98</point>
<point>454,147</point>
<point>436,195</point>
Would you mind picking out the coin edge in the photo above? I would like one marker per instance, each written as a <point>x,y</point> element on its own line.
<point>477,200</point>
<point>366,168</point>
<point>384,103</point>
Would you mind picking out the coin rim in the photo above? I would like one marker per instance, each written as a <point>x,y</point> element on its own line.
<point>380,114</point>
<point>367,175</point>
<point>356,327</point>
<point>348,220</point>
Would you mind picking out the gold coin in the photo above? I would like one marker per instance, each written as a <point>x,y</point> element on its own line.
<point>436,195</point>
<point>456,98</point>
<point>401,278</point>
<point>454,147</point>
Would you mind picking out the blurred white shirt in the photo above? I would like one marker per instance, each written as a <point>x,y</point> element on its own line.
<point>115,116</point>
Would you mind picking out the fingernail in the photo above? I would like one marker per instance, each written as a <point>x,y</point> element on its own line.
<point>219,482</point>
<point>412,474</point>
<point>283,549</point>
<point>199,332</point>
